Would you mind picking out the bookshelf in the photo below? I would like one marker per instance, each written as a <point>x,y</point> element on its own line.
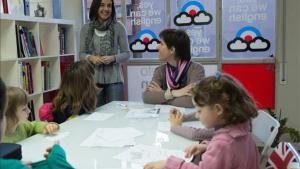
<point>55,51</point>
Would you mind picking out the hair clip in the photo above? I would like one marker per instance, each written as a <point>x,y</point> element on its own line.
<point>218,75</point>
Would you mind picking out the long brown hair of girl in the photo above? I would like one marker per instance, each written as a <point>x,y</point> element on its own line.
<point>77,89</point>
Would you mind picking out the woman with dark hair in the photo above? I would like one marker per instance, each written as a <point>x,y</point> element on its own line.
<point>103,42</point>
<point>172,82</point>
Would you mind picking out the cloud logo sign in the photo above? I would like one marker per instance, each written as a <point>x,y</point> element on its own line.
<point>145,40</point>
<point>193,12</point>
<point>249,38</point>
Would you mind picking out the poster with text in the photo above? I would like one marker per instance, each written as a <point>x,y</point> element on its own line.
<point>248,29</point>
<point>147,19</point>
<point>198,18</point>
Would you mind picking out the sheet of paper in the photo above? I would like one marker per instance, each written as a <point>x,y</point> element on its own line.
<point>167,108</point>
<point>94,141</point>
<point>99,116</point>
<point>142,154</point>
<point>112,137</point>
<point>57,136</point>
<point>143,113</point>
<point>113,134</point>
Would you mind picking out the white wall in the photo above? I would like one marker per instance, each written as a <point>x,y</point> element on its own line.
<point>288,96</point>
<point>72,9</point>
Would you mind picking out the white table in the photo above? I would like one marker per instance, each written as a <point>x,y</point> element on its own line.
<point>101,157</point>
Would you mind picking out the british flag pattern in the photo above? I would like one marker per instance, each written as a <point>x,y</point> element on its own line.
<point>284,156</point>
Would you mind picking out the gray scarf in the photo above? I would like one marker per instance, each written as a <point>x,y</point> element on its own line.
<point>101,26</point>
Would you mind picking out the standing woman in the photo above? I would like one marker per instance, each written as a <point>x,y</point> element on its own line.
<point>103,42</point>
<point>172,82</point>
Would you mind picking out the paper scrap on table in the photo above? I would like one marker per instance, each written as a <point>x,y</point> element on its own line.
<point>99,116</point>
<point>57,136</point>
<point>143,113</point>
<point>167,108</point>
<point>142,154</point>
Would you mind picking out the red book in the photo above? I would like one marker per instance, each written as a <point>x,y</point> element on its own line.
<point>5,6</point>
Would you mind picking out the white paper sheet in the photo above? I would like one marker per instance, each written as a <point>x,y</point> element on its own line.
<point>142,154</point>
<point>143,113</point>
<point>113,134</point>
<point>57,136</point>
<point>112,137</point>
<point>99,116</point>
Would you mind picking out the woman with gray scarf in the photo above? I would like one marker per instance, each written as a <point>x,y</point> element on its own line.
<point>103,42</point>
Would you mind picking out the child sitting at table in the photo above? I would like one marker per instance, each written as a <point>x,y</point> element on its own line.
<point>223,104</point>
<point>18,127</point>
<point>77,92</point>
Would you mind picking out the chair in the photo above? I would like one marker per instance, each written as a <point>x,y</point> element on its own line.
<point>265,128</point>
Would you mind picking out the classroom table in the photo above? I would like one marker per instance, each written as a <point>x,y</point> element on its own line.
<point>79,129</point>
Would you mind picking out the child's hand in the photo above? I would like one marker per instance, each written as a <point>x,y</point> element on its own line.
<point>175,118</point>
<point>49,149</point>
<point>155,165</point>
<point>51,128</point>
<point>194,150</point>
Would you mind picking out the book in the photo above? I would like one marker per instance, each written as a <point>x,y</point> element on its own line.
<point>26,7</point>
<point>56,6</point>
<point>5,6</point>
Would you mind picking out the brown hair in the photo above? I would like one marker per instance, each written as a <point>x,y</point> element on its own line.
<point>16,97</point>
<point>2,106</point>
<point>93,15</point>
<point>229,93</point>
<point>178,39</point>
<point>77,89</point>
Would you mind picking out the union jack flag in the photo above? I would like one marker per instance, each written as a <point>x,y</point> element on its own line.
<point>284,156</point>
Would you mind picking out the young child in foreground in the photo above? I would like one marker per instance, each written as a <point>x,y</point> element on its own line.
<point>223,104</point>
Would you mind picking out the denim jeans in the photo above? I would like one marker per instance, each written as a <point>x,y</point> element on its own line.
<point>110,92</point>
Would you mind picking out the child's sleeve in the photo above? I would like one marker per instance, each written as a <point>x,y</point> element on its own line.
<point>34,127</point>
<point>218,155</point>
<point>57,158</point>
<point>196,134</point>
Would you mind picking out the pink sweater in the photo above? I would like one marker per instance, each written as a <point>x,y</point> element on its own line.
<point>232,147</point>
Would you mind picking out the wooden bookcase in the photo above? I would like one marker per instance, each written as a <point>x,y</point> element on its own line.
<point>46,36</point>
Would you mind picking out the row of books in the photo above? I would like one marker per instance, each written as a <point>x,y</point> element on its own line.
<point>25,42</point>
<point>36,8</point>
<point>26,78</point>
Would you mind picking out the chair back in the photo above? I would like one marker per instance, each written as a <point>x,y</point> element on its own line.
<point>265,128</point>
